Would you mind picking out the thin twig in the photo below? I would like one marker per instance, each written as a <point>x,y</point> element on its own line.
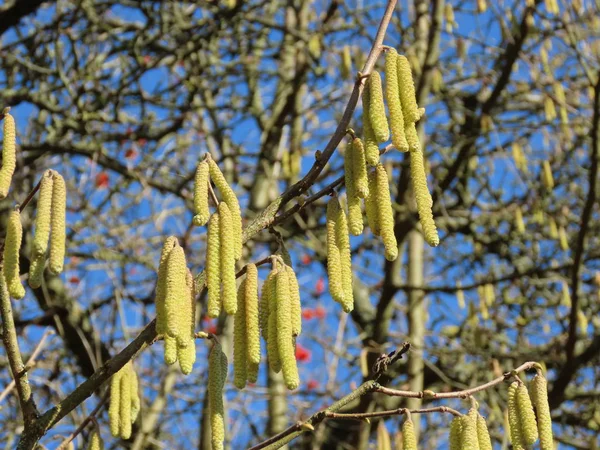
<point>90,418</point>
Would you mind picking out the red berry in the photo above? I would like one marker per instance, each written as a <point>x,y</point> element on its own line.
<point>320,312</point>
<point>302,354</point>
<point>312,385</point>
<point>102,180</point>
<point>320,287</point>
<point>212,329</point>
<point>306,259</point>
<point>308,314</point>
<point>130,153</point>
<point>74,279</point>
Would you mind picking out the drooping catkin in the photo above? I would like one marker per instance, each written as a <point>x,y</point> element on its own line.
<point>483,435</point>
<point>547,177</point>
<point>455,437</point>
<point>272,345</point>
<point>161,319</point>
<point>516,434</point>
<point>539,391</point>
<point>359,168</point>
<point>227,259</point>
<point>264,305</point>
<point>9,155</point>
<point>177,296</point>
<point>201,181</point>
<point>377,108</point>
<point>43,216</point>
<point>58,230</point>
<point>526,416</point>
<point>125,405</point>
<point>423,198</point>
<point>343,245</point>
<point>232,202</point>
<point>217,374</point>
<point>385,214</point>
<point>252,319</point>
<point>285,340</point>
<point>371,204</point>
<point>354,210</point>
<point>240,352</point>
<point>114,409</point>
<point>334,262</point>
<point>171,350</point>
<point>392,96</point>
<point>371,145</point>
<point>135,394</point>
<point>36,271</point>
<point>187,356</point>
<point>409,440</point>
<point>213,266</point>
<point>96,442</point>
<point>12,246</point>
<point>295,302</point>
<point>412,137</point>
<point>384,442</point>
<point>469,431</point>
<point>406,86</point>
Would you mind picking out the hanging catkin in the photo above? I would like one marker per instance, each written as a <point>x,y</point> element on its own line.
<point>176,296</point>
<point>539,394</point>
<point>371,204</point>
<point>412,137</point>
<point>406,86</point>
<point>240,340</point>
<point>43,217</point>
<point>295,302</point>
<point>9,156</point>
<point>334,262</point>
<point>516,434</point>
<point>217,374</point>
<point>201,182</point>
<point>377,108</point>
<point>423,198</point>
<point>58,230</point>
<point>124,401</point>
<point>285,341</point>
<point>384,442</point>
<point>96,442</point>
<point>483,435</point>
<point>272,345</point>
<point>392,96</point>
<point>227,254</point>
<point>252,317</point>
<point>354,211</point>
<point>526,416</point>
<point>135,394</point>
<point>547,177</point>
<point>456,431</point>
<point>385,214</point>
<point>171,350</point>
<point>371,145</point>
<point>409,439</point>
<point>213,266</point>
<point>161,319</point>
<point>186,354</point>
<point>343,245</point>
<point>264,305</point>
<point>232,202</point>
<point>36,271</point>
<point>359,168</point>
<point>469,431</point>
<point>12,246</point>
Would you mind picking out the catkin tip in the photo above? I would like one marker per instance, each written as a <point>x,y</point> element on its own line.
<point>58,229</point>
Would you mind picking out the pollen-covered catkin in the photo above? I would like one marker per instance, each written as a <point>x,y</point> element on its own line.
<point>36,271</point>
<point>412,137</point>
<point>539,387</point>
<point>201,181</point>
<point>295,303</point>
<point>176,295</point>
<point>359,168</point>
<point>483,435</point>
<point>392,95</point>
<point>230,198</point>
<point>354,211</point>
<point>171,350</point>
<point>469,431</point>
<point>252,328</point>
<point>187,356</point>
<point>423,198</point>
<point>334,262</point>
<point>371,145</point>
<point>43,216</point>
<point>547,177</point>
<point>9,155</point>
<point>343,245</point>
<point>240,340</point>
<point>526,416</point>
<point>264,305</point>
<point>406,86</point>
<point>409,440</point>
<point>161,284</point>
<point>213,266</point>
<point>135,394</point>
<point>272,345</point>
<point>58,229</point>
<point>385,214</point>
<point>456,431</point>
<point>371,204</point>
<point>285,341</point>
<point>96,442</point>
<point>217,374</point>
<point>114,409</point>
<point>12,246</point>
<point>377,108</point>
<point>125,405</point>
<point>516,434</point>
<point>227,259</point>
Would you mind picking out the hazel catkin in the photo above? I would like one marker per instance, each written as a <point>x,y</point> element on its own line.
<point>9,155</point>
<point>539,388</point>
<point>272,332</point>
<point>43,216</point>
<point>385,214</point>
<point>377,108</point>
<point>264,305</point>
<point>406,86</point>
<point>201,181</point>
<point>371,145</point>
<point>114,409</point>
<point>371,204</point>
<point>295,302</point>
<point>227,253</point>
<point>96,442</point>
<point>456,431</point>
<point>334,262</point>
<point>125,405</point>
<point>547,177</point>
<point>36,271</point>
<point>516,434</point>
<point>187,356</point>
<point>354,210</point>
<point>58,221</point>
<point>240,340</point>
<point>392,96</point>
<point>161,319</point>
<point>285,342</point>
<point>213,266</point>
<point>217,374</point>
<point>526,416</point>
<point>177,297</point>
<point>171,350</point>
<point>409,440</point>
<point>423,198</point>
<point>12,247</point>
<point>483,435</point>
<point>343,245</point>
<point>252,319</point>
<point>359,168</point>
<point>469,431</point>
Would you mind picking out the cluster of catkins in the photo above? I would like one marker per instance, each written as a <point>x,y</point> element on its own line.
<point>50,223</point>
<point>124,401</point>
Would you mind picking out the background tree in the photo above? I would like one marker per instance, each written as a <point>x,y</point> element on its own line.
<point>123,98</point>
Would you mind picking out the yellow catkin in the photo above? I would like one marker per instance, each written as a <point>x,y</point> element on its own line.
<point>217,374</point>
<point>58,230</point>
<point>114,409</point>
<point>371,204</point>
<point>481,6</point>
<point>519,223</point>
<point>562,239</point>
<point>232,202</point>
<point>96,442</point>
<point>171,350</point>
<point>392,96</point>
<point>240,351</point>
<point>547,177</point>
<point>552,228</point>
<point>201,182</point>
<point>354,209</point>
<point>36,271</point>
<point>483,435</point>
<point>285,340</point>
<point>227,254</point>
<point>264,305</point>
<point>189,309</point>
<point>406,86</point>
<point>371,145</point>
<point>516,435</point>
<point>359,168</point>
<point>346,67</point>
<point>384,441</point>
<point>469,431</point>
<point>135,394</point>
<point>252,318</point>
<point>423,198</point>
<point>176,296</point>
<point>412,137</point>
<point>455,437</point>
<point>343,245</point>
<point>125,405</point>
<point>385,214</point>
<point>12,246</point>
<point>295,303</point>
<point>9,155</point>
<point>409,439</point>
<point>43,216</point>
<point>213,267</point>
<point>161,319</point>
<point>539,391</point>
<point>334,262</point>
<point>187,356</point>
<point>272,346</point>
<point>377,108</point>
<point>526,416</point>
